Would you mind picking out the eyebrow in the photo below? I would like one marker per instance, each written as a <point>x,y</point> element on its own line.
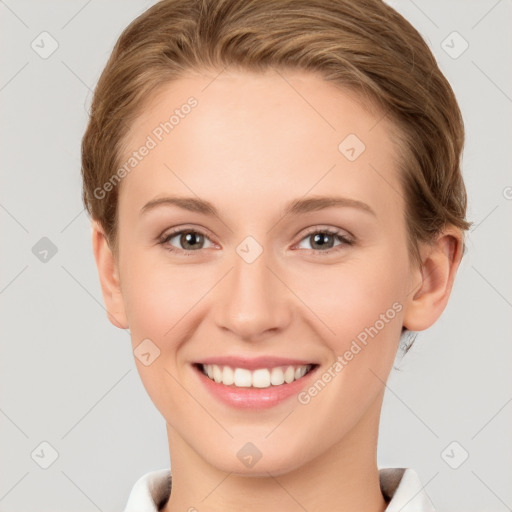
<point>295,207</point>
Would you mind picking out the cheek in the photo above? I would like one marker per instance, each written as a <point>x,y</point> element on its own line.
<point>160,302</point>
<point>156,296</point>
<point>351,297</point>
<point>157,299</point>
<point>361,304</point>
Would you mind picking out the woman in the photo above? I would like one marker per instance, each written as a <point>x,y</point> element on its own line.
<point>276,200</point>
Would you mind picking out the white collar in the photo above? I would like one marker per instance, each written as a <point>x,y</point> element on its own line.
<point>401,485</point>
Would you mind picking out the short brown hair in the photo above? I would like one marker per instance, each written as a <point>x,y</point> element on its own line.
<point>363,45</point>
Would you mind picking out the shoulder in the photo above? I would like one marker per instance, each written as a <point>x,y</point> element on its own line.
<point>403,488</point>
<point>150,492</point>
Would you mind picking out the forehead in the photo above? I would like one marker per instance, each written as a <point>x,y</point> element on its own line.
<point>265,135</point>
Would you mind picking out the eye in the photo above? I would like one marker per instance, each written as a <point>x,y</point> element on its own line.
<point>323,240</point>
<point>188,240</point>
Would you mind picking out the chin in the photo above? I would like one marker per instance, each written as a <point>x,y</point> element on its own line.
<point>248,460</point>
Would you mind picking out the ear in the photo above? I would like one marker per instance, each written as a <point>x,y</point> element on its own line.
<point>109,277</point>
<point>434,281</point>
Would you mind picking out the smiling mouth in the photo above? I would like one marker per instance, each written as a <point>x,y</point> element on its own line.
<point>259,378</point>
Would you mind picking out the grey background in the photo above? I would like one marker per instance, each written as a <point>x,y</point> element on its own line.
<point>68,376</point>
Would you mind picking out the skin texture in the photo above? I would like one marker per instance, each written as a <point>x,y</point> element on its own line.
<point>252,144</point>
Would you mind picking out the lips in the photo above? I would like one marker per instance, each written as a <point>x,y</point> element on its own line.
<point>254,383</point>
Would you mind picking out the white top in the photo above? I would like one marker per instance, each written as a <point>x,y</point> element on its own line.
<point>401,486</point>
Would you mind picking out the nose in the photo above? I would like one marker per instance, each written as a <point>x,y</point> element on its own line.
<point>253,301</point>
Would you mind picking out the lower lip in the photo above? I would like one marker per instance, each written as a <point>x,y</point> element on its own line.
<point>254,398</point>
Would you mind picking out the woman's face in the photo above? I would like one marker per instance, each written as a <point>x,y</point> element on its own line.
<point>263,228</point>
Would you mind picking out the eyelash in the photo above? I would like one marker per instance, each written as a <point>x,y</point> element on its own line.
<point>164,239</point>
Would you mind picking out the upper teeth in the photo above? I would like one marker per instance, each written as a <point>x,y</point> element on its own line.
<point>261,378</point>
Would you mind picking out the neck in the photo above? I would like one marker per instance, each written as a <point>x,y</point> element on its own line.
<point>344,478</point>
